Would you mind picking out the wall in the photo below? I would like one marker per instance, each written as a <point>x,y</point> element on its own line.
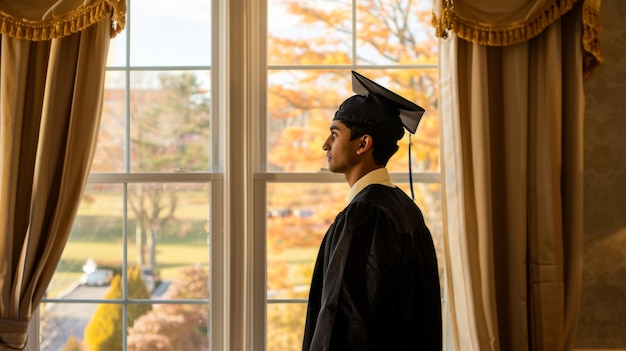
<point>602,323</point>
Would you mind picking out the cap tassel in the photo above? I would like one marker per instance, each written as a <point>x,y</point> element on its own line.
<point>410,171</point>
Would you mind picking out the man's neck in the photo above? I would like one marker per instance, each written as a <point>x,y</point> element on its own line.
<point>358,172</point>
<point>377,176</point>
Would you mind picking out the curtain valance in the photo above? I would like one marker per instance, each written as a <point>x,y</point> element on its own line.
<point>501,23</point>
<point>37,20</point>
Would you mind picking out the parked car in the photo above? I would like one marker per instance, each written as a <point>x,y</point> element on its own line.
<point>150,278</point>
<point>98,277</point>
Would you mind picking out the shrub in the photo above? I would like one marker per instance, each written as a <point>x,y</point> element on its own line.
<point>104,330</point>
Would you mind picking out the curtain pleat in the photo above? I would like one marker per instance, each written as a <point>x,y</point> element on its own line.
<point>512,184</point>
<point>572,185</point>
<point>50,107</point>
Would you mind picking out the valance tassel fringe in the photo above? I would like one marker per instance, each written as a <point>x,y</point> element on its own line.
<point>69,24</point>
<point>497,36</point>
<point>591,40</point>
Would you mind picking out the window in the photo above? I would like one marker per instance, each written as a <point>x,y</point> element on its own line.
<point>205,208</point>
<point>311,48</point>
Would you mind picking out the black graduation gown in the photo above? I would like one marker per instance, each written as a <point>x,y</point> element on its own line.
<point>375,285</point>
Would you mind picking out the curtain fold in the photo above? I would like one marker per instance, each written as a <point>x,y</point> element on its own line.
<point>512,124</point>
<point>50,106</point>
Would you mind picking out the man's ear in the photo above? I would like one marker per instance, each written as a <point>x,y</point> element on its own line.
<point>366,143</point>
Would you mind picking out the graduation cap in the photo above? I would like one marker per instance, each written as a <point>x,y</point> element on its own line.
<point>378,106</point>
<point>381,108</point>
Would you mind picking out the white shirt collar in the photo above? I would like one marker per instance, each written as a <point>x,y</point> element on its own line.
<point>377,176</point>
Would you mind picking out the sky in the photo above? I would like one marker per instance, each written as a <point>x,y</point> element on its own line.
<point>165,33</point>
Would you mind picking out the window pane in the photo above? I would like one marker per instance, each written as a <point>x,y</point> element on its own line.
<point>300,107</point>
<point>395,32</point>
<point>170,33</point>
<point>117,51</point>
<point>109,156</point>
<point>295,228</point>
<point>305,32</point>
<point>169,121</point>
<point>302,103</point>
<point>285,326</point>
<point>167,228</point>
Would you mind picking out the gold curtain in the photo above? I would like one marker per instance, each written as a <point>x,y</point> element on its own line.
<point>512,107</point>
<point>52,66</point>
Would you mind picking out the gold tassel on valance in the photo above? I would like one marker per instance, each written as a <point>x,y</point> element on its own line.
<point>592,57</point>
<point>487,28</point>
<point>65,25</point>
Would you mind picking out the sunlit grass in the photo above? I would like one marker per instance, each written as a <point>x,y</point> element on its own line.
<point>111,255</point>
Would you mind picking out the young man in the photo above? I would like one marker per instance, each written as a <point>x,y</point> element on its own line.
<point>375,284</point>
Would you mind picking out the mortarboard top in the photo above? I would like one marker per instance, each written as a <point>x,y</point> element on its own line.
<point>376,104</point>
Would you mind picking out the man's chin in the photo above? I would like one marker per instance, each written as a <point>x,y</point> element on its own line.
<point>333,169</point>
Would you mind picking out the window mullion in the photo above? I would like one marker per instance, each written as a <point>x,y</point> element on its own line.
<point>237,180</point>
<point>257,113</point>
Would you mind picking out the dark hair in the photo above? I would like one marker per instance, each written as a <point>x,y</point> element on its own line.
<point>385,140</point>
